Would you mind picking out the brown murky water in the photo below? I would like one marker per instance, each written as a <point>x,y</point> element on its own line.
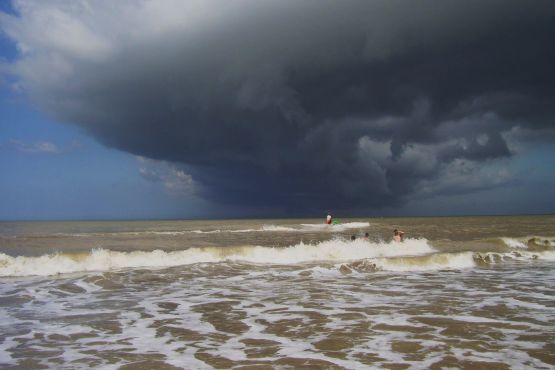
<point>471,293</point>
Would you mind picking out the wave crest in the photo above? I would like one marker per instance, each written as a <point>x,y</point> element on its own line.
<point>439,261</point>
<point>336,250</point>
<point>358,255</point>
<point>530,242</point>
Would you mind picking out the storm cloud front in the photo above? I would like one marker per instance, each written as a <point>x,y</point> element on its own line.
<point>299,104</point>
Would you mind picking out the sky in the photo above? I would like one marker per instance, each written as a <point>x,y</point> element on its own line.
<point>169,109</point>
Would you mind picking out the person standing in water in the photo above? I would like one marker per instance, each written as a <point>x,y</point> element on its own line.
<point>398,235</point>
<point>329,219</point>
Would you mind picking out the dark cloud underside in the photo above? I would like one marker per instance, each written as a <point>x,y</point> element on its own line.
<point>311,105</point>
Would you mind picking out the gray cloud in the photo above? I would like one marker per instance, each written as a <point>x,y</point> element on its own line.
<point>175,180</point>
<point>307,105</point>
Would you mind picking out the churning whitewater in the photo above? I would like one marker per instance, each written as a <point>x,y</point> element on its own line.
<point>385,255</point>
<point>469,292</point>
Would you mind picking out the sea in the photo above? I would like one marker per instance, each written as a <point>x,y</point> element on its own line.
<point>457,293</point>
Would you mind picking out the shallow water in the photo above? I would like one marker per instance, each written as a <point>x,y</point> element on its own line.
<point>472,292</point>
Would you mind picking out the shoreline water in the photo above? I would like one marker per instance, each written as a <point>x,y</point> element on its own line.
<point>278,294</point>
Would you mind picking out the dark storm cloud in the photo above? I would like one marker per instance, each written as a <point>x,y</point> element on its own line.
<point>306,105</point>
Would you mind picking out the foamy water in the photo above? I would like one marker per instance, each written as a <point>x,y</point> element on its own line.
<point>106,260</point>
<point>280,295</point>
<point>390,256</point>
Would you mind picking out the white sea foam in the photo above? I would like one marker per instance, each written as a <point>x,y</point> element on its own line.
<point>278,228</point>
<point>103,259</point>
<point>332,250</point>
<point>334,227</point>
<point>206,232</point>
<point>449,261</point>
<point>217,231</point>
<point>389,256</point>
<point>522,243</point>
<point>310,308</point>
<point>493,257</point>
<point>441,261</point>
<point>98,260</point>
<point>514,243</point>
<point>320,227</point>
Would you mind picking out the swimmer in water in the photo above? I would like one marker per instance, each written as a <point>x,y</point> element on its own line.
<point>329,219</point>
<point>398,235</point>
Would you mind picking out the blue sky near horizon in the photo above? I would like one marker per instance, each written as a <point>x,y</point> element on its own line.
<point>81,179</point>
<point>56,170</point>
<point>78,179</point>
<point>84,180</point>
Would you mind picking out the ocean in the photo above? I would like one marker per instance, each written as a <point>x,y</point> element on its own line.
<point>457,293</point>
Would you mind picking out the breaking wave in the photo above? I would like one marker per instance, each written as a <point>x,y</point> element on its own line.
<point>529,241</point>
<point>359,255</point>
<point>337,250</point>
<point>444,261</point>
<point>321,227</point>
<point>496,257</point>
<point>439,261</point>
